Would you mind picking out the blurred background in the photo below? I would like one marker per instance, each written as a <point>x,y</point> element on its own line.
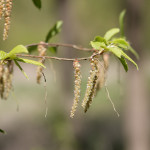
<point>22,116</point>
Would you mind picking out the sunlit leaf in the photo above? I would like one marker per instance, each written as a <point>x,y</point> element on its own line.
<point>121,42</point>
<point>110,33</point>
<point>18,49</point>
<point>99,39</point>
<point>3,55</point>
<point>97,45</point>
<point>124,63</point>
<point>21,69</point>
<point>115,50</point>
<point>37,3</point>
<point>54,30</point>
<point>121,22</point>
<point>30,62</point>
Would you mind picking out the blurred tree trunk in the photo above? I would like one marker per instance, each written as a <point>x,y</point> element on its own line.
<point>65,13</point>
<point>136,104</point>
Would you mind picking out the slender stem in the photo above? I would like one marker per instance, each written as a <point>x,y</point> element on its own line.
<point>64,59</point>
<point>63,45</point>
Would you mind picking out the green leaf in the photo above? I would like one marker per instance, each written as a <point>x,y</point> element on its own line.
<point>21,69</point>
<point>18,49</point>
<point>134,52</point>
<point>115,50</point>
<point>121,22</point>
<point>32,48</point>
<point>53,49</point>
<point>127,57</point>
<point>37,3</point>
<point>109,34</point>
<point>3,55</point>
<point>124,63</point>
<point>99,39</point>
<point>30,62</point>
<point>2,131</point>
<point>54,30</point>
<point>97,45</point>
<point>121,42</point>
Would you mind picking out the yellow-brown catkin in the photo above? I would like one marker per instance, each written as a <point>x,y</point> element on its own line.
<point>7,76</point>
<point>91,85</point>
<point>42,52</point>
<point>77,87</point>
<point>2,8</point>
<point>7,15</point>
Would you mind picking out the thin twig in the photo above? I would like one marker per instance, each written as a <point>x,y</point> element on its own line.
<point>63,45</point>
<point>45,98</point>
<point>108,95</point>
<point>58,58</point>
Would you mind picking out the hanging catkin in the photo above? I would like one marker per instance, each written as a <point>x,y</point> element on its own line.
<point>77,86</point>
<point>7,14</point>
<point>2,8</point>
<point>91,85</point>
<point>42,52</point>
<point>8,74</point>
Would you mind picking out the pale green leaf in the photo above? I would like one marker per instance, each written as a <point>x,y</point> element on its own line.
<point>109,34</point>
<point>100,39</point>
<point>115,50</point>
<point>121,22</point>
<point>54,30</point>
<point>121,42</point>
<point>97,45</point>
<point>30,62</point>
<point>21,69</point>
<point>18,49</point>
<point>124,63</point>
<point>3,55</point>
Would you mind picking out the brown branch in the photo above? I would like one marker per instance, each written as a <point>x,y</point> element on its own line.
<point>63,45</point>
<point>58,58</point>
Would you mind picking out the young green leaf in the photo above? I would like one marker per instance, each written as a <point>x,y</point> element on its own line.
<point>37,3</point>
<point>121,22</point>
<point>100,39</point>
<point>97,45</point>
<point>3,55</point>
<point>2,131</point>
<point>18,49</point>
<point>121,42</point>
<point>110,33</point>
<point>21,69</point>
<point>124,63</point>
<point>54,30</point>
<point>115,50</point>
<point>30,62</point>
<point>127,57</point>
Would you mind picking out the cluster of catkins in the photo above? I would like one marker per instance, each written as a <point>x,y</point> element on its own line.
<point>96,81</point>
<point>6,74</point>
<point>42,53</point>
<point>5,12</point>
